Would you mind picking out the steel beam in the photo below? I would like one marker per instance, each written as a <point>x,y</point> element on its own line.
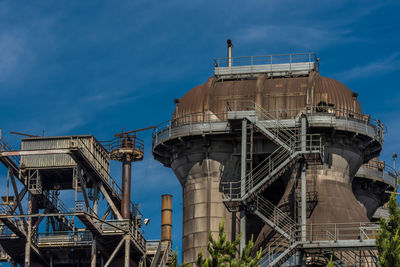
<point>93,253</point>
<point>28,242</point>
<point>243,183</point>
<point>115,252</point>
<point>35,152</point>
<point>110,202</point>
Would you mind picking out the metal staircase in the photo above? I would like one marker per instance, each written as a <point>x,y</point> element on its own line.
<point>270,169</point>
<point>291,146</point>
<point>290,143</point>
<point>162,255</point>
<point>275,218</point>
<point>278,252</point>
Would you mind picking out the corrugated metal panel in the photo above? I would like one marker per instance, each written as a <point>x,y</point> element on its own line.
<point>92,149</point>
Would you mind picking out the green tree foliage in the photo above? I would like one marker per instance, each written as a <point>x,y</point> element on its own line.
<point>246,260</point>
<point>223,253</point>
<point>330,263</point>
<point>387,240</point>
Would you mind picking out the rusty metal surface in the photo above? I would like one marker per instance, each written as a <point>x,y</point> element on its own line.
<point>166,218</point>
<point>271,94</point>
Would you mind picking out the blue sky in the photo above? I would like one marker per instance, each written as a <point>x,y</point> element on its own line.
<point>95,67</point>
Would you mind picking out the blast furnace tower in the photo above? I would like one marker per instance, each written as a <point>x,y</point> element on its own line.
<point>272,147</point>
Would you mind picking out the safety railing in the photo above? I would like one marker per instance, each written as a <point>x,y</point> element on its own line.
<point>4,209</point>
<point>115,226</point>
<point>341,231</point>
<point>7,233</point>
<point>379,169</point>
<point>4,146</point>
<point>124,141</point>
<point>151,246</point>
<point>137,236</point>
<point>106,176</point>
<point>55,201</point>
<point>279,130</point>
<point>273,250</point>
<point>267,60</point>
<point>99,167</point>
<point>61,239</point>
<point>80,206</point>
<point>165,130</point>
<point>276,216</point>
<point>321,234</point>
<point>271,165</point>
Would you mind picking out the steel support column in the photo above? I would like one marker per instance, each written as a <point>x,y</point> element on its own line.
<point>28,242</point>
<point>93,253</point>
<point>243,183</point>
<point>303,181</point>
<point>127,250</point>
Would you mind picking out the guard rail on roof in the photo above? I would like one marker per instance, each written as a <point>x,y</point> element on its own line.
<point>272,65</point>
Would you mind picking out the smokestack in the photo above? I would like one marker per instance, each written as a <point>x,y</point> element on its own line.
<point>126,187</point>
<point>166,217</point>
<point>230,51</point>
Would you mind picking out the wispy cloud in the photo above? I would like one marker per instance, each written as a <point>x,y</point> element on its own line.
<point>375,67</point>
<point>298,36</point>
<point>314,28</point>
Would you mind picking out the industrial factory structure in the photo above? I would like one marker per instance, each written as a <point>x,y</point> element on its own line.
<point>278,152</point>
<point>267,145</point>
<point>102,227</point>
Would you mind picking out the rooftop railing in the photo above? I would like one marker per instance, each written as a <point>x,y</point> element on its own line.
<point>267,60</point>
<point>165,129</point>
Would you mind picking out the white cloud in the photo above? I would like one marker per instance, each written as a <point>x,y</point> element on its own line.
<point>297,36</point>
<point>14,54</point>
<point>375,67</point>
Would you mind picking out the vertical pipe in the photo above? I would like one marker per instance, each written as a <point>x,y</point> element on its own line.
<point>166,217</point>
<point>126,187</point>
<point>230,52</point>
<point>243,183</point>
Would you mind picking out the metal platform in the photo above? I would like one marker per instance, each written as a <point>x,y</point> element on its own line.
<point>49,164</point>
<point>271,65</point>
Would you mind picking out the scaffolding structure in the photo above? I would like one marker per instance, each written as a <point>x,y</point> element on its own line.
<point>38,229</point>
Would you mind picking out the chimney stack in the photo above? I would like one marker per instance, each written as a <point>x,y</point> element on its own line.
<point>230,52</point>
<point>166,218</point>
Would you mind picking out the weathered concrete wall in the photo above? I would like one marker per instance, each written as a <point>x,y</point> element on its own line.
<point>200,165</point>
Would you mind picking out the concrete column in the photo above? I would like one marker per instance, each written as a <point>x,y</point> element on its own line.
<point>203,208</point>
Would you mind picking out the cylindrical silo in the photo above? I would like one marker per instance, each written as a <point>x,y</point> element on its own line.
<point>202,145</point>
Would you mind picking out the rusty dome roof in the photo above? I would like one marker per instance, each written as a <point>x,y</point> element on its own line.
<point>288,96</point>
